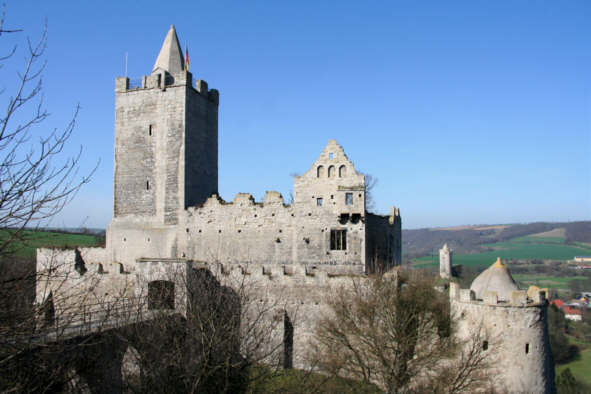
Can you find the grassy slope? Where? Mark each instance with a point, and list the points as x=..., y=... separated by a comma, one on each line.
x=581, y=367
x=38, y=239
x=294, y=381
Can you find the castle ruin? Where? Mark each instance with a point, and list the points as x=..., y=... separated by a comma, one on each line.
x=168, y=219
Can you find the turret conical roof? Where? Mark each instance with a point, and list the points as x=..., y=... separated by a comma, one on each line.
x=170, y=57
x=495, y=278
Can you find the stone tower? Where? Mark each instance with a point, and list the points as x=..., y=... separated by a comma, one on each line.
x=511, y=326
x=445, y=262
x=166, y=155
x=166, y=141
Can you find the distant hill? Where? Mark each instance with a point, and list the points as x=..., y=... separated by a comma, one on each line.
x=477, y=239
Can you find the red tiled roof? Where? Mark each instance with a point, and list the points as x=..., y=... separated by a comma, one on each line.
x=572, y=311
x=558, y=303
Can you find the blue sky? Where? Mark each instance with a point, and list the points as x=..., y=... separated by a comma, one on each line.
x=467, y=112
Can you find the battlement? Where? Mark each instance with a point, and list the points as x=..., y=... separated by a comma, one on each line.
x=81, y=260
x=519, y=298
x=287, y=273
x=164, y=80
x=394, y=216
x=272, y=198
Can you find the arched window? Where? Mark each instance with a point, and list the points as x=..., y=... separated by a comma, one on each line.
x=342, y=171
x=161, y=294
x=331, y=172
x=320, y=172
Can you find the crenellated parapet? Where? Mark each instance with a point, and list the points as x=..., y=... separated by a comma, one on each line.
x=164, y=80
x=271, y=199
x=518, y=298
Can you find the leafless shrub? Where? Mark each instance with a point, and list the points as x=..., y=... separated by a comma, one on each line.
x=396, y=331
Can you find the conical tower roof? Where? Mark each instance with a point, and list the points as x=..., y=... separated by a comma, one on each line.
x=495, y=278
x=170, y=57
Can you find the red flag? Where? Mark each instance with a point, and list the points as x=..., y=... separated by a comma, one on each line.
x=186, y=58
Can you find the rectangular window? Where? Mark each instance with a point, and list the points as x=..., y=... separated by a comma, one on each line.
x=338, y=239
x=319, y=202
x=150, y=127
x=349, y=198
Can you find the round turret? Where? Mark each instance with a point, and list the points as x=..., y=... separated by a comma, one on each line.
x=495, y=278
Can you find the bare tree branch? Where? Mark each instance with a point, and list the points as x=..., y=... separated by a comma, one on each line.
x=35, y=181
x=396, y=331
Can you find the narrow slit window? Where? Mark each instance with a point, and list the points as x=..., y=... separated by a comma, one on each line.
x=526, y=348
x=485, y=345
x=147, y=185
x=287, y=342
x=150, y=130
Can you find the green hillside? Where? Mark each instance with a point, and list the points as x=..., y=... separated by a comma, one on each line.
x=520, y=248
x=31, y=240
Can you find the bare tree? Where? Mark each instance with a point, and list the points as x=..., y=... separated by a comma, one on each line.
x=229, y=328
x=396, y=331
x=36, y=181
x=370, y=184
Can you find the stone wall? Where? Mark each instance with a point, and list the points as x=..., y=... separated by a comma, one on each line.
x=201, y=144
x=382, y=246
x=270, y=232
x=80, y=281
x=292, y=295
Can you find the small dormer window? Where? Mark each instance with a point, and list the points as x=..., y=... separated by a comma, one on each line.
x=349, y=198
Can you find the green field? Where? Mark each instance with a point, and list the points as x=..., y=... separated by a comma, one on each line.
x=525, y=248
x=540, y=280
x=38, y=239
x=581, y=367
